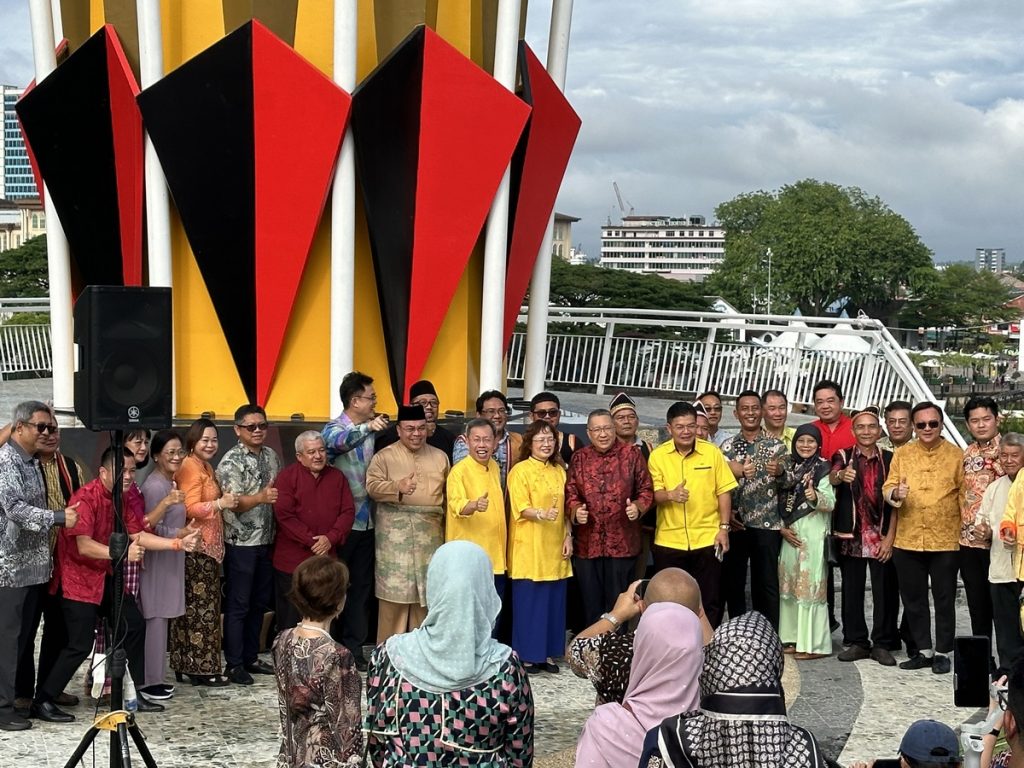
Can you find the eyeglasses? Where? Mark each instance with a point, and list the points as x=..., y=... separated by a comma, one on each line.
x=427, y=402
x=713, y=408
x=174, y=454
x=933, y=424
x=543, y=440
x=371, y=398
x=495, y=412
x=547, y=412
x=601, y=430
x=42, y=426
x=261, y=426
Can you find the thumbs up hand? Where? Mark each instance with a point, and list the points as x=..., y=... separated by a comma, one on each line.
x=809, y=493
x=901, y=490
x=680, y=494
x=71, y=515
x=269, y=494
x=582, y=514
x=632, y=510
x=848, y=475
x=748, y=468
x=174, y=496
x=407, y=484
x=482, y=503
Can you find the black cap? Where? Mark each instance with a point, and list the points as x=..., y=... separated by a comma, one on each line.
x=411, y=413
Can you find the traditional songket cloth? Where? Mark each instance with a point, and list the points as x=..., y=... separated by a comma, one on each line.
x=447, y=693
x=803, y=571
x=663, y=680
x=742, y=720
x=410, y=528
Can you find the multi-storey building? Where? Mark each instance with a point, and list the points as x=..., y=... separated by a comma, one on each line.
x=686, y=248
x=16, y=179
x=990, y=259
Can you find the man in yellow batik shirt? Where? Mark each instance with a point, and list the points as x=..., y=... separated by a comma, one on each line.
x=925, y=487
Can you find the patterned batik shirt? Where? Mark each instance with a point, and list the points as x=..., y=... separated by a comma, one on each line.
x=350, y=447
x=488, y=724
x=871, y=516
x=604, y=660
x=24, y=520
x=756, y=501
x=245, y=473
x=981, y=467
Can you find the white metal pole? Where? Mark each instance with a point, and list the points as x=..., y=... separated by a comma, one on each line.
x=158, y=212
x=343, y=212
x=492, y=315
x=58, y=21
x=540, y=284
x=58, y=256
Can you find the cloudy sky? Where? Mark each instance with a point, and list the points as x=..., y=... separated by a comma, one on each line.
x=688, y=104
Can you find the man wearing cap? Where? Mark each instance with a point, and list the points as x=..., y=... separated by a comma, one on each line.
x=870, y=526
x=927, y=743
x=703, y=421
x=423, y=394
x=493, y=406
x=623, y=411
x=607, y=489
x=407, y=480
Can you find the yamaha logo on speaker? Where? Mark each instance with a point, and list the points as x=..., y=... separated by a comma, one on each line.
x=134, y=413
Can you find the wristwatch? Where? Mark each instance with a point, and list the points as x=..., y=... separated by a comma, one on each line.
x=724, y=526
x=611, y=620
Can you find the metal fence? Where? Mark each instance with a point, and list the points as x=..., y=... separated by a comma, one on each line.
x=25, y=351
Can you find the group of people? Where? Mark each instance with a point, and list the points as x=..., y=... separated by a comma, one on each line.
x=557, y=524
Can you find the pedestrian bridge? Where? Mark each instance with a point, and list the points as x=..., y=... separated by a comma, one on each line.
x=661, y=353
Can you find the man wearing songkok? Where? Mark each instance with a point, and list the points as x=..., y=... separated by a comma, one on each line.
x=623, y=411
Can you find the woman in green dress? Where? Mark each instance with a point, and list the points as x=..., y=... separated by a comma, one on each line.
x=803, y=571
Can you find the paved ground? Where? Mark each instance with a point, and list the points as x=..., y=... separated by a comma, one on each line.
x=857, y=711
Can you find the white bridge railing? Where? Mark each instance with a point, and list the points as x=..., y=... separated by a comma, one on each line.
x=719, y=353
x=25, y=350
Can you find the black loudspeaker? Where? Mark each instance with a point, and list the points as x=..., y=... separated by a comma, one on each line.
x=123, y=372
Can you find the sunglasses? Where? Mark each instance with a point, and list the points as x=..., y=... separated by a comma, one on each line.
x=933, y=424
x=549, y=412
x=42, y=426
x=262, y=426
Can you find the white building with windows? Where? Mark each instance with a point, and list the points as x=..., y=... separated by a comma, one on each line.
x=687, y=248
x=17, y=181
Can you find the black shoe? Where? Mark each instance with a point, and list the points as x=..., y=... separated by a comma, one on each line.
x=361, y=663
x=854, y=653
x=12, y=721
x=66, y=700
x=547, y=666
x=51, y=713
x=533, y=669
x=158, y=692
x=883, y=656
x=940, y=664
x=238, y=676
x=918, y=662
x=259, y=667
x=833, y=625
x=145, y=705
x=211, y=681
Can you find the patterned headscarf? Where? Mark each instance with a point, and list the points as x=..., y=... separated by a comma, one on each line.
x=742, y=721
x=453, y=648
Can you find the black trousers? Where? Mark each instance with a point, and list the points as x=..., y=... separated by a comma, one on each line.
x=127, y=631
x=12, y=604
x=761, y=549
x=602, y=580
x=1006, y=613
x=39, y=605
x=916, y=571
x=358, y=554
x=249, y=581
x=285, y=614
x=705, y=569
x=735, y=568
x=885, y=597
x=974, y=572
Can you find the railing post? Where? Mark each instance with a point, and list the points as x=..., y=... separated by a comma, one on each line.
x=705, y=363
x=867, y=376
x=794, y=368
x=606, y=353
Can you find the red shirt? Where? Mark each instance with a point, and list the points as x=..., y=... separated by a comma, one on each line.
x=838, y=437
x=308, y=507
x=82, y=578
x=603, y=481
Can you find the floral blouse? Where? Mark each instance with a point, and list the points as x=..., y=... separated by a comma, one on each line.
x=488, y=725
x=319, y=693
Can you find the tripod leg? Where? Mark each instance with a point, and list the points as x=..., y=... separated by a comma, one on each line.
x=140, y=744
x=120, y=754
x=83, y=745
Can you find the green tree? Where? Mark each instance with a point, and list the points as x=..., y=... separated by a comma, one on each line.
x=585, y=285
x=23, y=270
x=828, y=243
x=958, y=296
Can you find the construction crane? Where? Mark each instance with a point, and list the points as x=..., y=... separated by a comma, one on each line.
x=618, y=196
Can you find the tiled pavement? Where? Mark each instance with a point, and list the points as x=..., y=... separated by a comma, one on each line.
x=857, y=711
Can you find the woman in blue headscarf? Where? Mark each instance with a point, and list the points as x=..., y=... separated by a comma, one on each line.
x=803, y=573
x=447, y=693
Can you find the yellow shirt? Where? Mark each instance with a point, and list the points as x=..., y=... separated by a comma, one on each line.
x=928, y=520
x=468, y=481
x=692, y=524
x=1014, y=513
x=535, y=546
x=428, y=464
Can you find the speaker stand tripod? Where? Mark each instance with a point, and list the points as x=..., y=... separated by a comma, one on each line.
x=118, y=722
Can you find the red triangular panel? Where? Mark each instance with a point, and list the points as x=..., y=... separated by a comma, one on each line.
x=300, y=117
x=126, y=121
x=550, y=137
x=469, y=127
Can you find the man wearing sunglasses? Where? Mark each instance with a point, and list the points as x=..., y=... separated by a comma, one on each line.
x=925, y=486
x=545, y=406
x=25, y=524
x=248, y=471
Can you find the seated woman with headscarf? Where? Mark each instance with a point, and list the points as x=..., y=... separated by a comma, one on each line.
x=447, y=693
x=741, y=722
x=663, y=680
